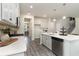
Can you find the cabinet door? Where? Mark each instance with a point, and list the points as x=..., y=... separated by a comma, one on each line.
x=5, y=11
x=49, y=42
x=46, y=43
x=44, y=40
x=17, y=8
x=14, y=13
x=0, y=11
x=18, y=13
x=10, y=6
x=9, y=12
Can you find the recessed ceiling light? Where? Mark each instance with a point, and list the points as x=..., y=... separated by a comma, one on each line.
x=31, y=6
x=54, y=19
x=64, y=17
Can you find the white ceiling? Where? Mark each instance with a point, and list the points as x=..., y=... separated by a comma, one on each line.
x=39, y=9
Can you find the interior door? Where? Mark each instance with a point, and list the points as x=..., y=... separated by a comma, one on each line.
x=37, y=31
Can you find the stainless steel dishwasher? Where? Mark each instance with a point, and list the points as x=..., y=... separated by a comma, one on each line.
x=57, y=46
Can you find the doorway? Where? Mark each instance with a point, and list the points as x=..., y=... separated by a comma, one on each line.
x=27, y=27
x=37, y=31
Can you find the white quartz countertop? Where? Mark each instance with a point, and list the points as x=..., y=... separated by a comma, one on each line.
x=16, y=47
x=68, y=37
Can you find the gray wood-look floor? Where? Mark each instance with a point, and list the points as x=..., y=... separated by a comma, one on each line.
x=35, y=49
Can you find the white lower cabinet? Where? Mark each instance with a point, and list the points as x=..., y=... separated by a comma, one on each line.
x=47, y=41
x=43, y=40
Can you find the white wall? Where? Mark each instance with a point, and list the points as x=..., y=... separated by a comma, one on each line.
x=76, y=30
x=51, y=26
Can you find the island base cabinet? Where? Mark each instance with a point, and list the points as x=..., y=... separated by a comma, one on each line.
x=74, y=48
x=46, y=40
x=61, y=45
x=71, y=48
x=66, y=48
x=49, y=42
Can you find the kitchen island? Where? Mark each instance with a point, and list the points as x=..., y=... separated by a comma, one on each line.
x=15, y=48
x=61, y=45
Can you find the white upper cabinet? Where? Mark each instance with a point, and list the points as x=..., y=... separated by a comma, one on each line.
x=12, y=14
x=17, y=10
x=10, y=11
x=5, y=11
x=47, y=41
x=0, y=11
